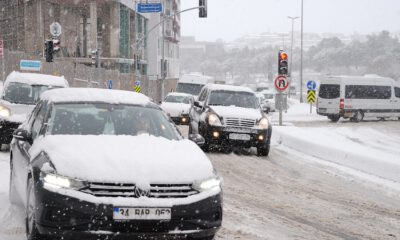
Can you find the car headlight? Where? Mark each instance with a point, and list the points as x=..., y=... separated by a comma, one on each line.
x=208, y=184
x=4, y=112
x=263, y=123
x=213, y=120
x=56, y=181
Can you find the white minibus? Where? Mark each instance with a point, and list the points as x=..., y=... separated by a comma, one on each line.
x=358, y=97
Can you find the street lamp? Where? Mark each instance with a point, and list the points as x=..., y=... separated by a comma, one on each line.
x=291, y=46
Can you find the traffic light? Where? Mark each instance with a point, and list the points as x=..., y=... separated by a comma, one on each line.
x=202, y=8
x=56, y=45
x=96, y=58
x=282, y=63
x=48, y=50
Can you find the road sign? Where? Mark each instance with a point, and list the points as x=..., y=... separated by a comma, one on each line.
x=149, y=7
x=110, y=84
x=281, y=83
x=138, y=86
x=29, y=65
x=311, y=85
x=1, y=47
x=55, y=29
x=311, y=96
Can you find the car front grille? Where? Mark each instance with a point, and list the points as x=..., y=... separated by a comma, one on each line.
x=240, y=122
x=130, y=190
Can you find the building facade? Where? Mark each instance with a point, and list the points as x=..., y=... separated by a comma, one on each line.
x=163, y=44
x=110, y=26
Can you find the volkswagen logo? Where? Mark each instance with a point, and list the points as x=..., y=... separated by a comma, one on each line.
x=141, y=193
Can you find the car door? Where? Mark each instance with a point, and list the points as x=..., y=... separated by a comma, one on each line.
x=396, y=102
x=21, y=156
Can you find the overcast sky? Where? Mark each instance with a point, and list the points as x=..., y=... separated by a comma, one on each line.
x=231, y=19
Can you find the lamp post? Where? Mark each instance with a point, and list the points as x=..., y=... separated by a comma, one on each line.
x=291, y=46
x=291, y=51
x=301, y=55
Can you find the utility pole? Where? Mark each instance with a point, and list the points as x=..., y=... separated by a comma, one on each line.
x=291, y=53
x=301, y=54
x=163, y=70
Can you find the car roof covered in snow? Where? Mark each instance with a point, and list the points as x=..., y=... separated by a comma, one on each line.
x=36, y=79
x=95, y=95
x=223, y=87
x=179, y=94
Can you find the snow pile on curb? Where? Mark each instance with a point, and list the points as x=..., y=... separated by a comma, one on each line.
x=328, y=145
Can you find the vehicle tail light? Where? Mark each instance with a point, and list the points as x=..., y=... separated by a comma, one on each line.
x=341, y=105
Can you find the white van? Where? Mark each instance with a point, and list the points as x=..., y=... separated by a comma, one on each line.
x=356, y=97
x=193, y=83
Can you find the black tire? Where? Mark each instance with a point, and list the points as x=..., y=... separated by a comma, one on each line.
x=358, y=116
x=263, y=151
x=334, y=118
x=13, y=197
x=205, y=147
x=30, y=222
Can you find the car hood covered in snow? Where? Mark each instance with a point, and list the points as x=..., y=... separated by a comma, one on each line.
x=125, y=159
x=175, y=109
x=237, y=112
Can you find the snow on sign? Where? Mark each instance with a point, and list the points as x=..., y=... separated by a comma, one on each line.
x=55, y=29
x=29, y=65
x=281, y=83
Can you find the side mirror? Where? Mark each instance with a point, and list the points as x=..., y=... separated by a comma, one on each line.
x=198, y=139
x=197, y=104
x=22, y=135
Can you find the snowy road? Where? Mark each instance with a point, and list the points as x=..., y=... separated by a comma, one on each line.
x=290, y=194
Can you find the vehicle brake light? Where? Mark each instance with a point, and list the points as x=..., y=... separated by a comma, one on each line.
x=341, y=106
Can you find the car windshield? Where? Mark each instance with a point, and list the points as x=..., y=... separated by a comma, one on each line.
x=269, y=95
x=22, y=93
x=233, y=98
x=177, y=99
x=109, y=119
x=189, y=88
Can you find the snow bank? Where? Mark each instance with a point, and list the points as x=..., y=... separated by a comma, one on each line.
x=339, y=147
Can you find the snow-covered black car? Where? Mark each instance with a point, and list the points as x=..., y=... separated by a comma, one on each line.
x=229, y=116
x=19, y=96
x=84, y=165
x=177, y=106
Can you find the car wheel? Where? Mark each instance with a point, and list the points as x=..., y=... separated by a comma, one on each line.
x=358, y=116
x=263, y=151
x=334, y=118
x=31, y=231
x=12, y=194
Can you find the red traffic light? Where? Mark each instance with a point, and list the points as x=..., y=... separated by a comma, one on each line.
x=283, y=56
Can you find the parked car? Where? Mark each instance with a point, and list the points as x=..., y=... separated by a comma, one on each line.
x=20, y=93
x=177, y=106
x=228, y=116
x=92, y=170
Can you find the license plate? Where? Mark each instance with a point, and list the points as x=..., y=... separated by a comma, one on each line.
x=322, y=110
x=236, y=136
x=142, y=213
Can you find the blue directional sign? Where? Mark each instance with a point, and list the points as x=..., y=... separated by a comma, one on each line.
x=29, y=65
x=311, y=85
x=149, y=7
x=110, y=84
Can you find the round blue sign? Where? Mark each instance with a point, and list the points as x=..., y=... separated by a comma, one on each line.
x=311, y=85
